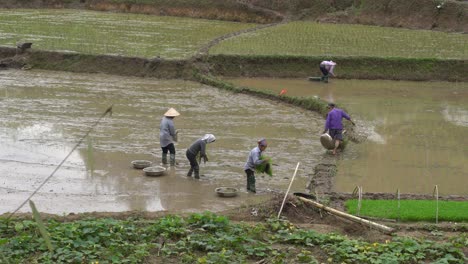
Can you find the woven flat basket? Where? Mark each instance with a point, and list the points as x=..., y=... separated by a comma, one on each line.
x=327, y=141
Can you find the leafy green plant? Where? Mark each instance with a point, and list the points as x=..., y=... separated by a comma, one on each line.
x=207, y=238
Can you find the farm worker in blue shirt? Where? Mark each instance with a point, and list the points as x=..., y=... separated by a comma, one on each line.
x=198, y=147
x=327, y=67
x=252, y=161
x=334, y=124
x=168, y=135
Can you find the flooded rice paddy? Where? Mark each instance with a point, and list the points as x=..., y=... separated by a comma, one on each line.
x=45, y=114
x=417, y=132
x=111, y=33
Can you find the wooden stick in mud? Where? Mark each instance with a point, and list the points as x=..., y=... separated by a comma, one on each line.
x=286, y=195
x=382, y=228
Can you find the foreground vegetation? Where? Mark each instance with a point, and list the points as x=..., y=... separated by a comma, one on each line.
x=411, y=210
x=207, y=238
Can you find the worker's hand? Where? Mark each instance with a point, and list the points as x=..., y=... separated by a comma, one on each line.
x=177, y=131
x=205, y=159
x=353, y=123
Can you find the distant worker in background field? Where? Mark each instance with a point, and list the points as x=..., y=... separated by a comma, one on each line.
x=327, y=67
x=198, y=148
x=168, y=135
x=334, y=124
x=254, y=160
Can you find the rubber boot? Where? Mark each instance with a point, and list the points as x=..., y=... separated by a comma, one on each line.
x=251, y=183
x=172, y=159
x=325, y=79
x=164, y=158
x=197, y=173
x=190, y=172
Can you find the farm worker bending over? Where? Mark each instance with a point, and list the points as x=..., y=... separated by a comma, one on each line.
x=327, y=67
x=334, y=124
x=253, y=161
x=198, y=148
x=168, y=135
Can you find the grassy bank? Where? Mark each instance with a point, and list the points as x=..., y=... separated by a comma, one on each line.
x=348, y=67
x=313, y=104
x=125, y=66
x=206, y=238
x=249, y=66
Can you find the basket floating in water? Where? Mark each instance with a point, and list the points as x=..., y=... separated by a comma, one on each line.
x=226, y=191
x=141, y=164
x=154, y=171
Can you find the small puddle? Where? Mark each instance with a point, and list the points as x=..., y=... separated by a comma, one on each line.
x=417, y=132
x=45, y=114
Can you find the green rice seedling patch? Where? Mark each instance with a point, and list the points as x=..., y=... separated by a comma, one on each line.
x=314, y=39
x=126, y=34
x=411, y=210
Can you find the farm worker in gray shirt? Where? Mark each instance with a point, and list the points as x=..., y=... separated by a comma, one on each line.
x=168, y=135
x=198, y=148
x=334, y=124
x=327, y=67
x=252, y=161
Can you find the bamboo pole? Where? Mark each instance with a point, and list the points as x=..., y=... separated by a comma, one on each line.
x=382, y=228
x=286, y=195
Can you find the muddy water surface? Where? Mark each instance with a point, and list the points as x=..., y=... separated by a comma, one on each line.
x=417, y=132
x=45, y=114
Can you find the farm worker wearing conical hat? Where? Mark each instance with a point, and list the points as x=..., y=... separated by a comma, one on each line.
x=168, y=135
x=253, y=161
x=171, y=113
x=198, y=148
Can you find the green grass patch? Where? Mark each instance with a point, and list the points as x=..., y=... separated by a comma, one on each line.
x=411, y=210
x=126, y=34
x=314, y=39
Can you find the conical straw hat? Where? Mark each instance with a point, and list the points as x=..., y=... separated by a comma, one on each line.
x=171, y=113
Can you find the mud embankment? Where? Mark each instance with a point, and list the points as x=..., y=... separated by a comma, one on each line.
x=350, y=67
x=235, y=66
x=115, y=65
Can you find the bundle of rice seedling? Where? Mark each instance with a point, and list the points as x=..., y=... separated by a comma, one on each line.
x=265, y=167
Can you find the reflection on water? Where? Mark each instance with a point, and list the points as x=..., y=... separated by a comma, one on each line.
x=44, y=115
x=417, y=132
